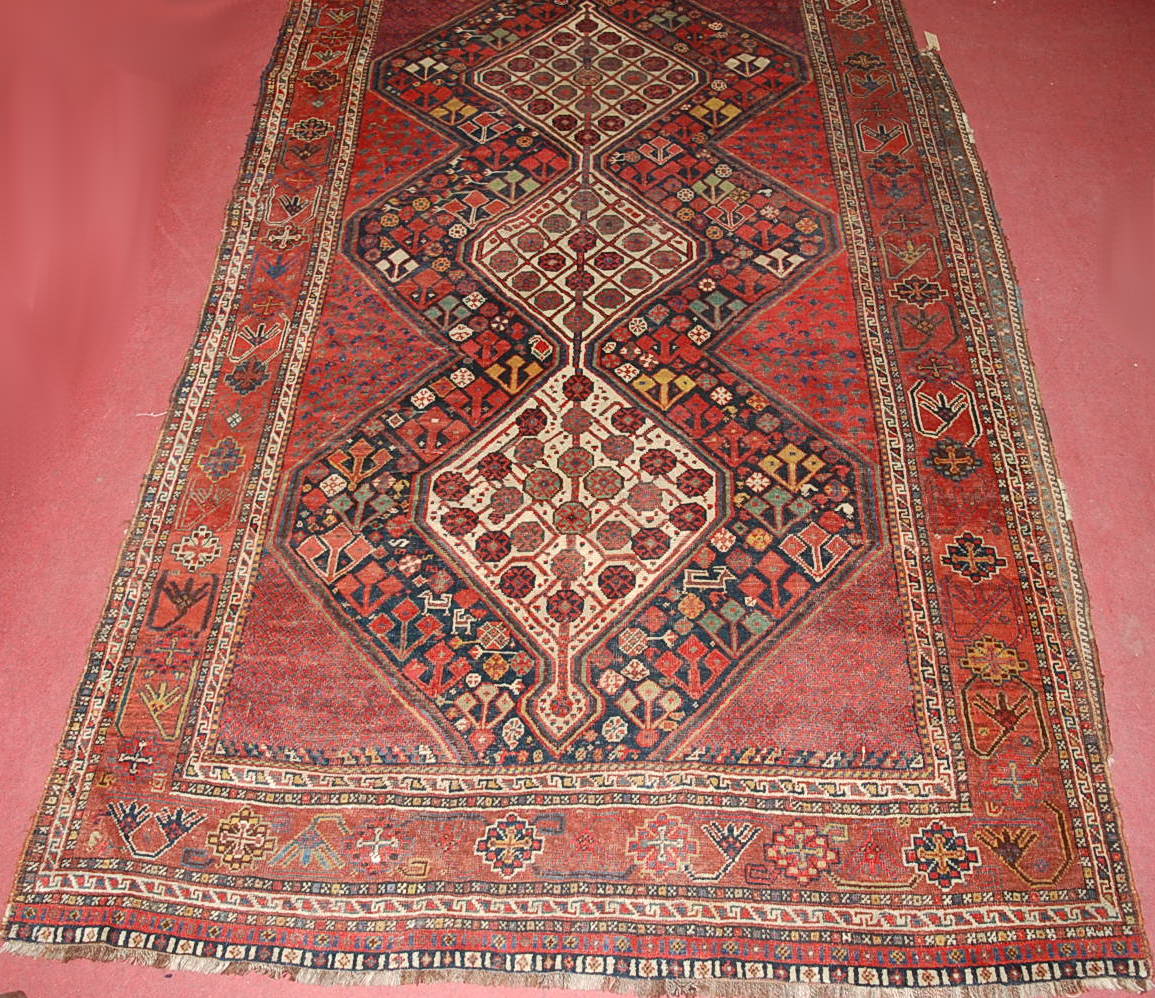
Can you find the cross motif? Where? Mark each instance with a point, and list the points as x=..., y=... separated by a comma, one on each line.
x=1017, y=783
x=942, y=856
x=954, y=460
x=376, y=843
x=166, y=651
x=136, y=758
x=668, y=849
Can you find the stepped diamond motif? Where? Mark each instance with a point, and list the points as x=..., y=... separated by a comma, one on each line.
x=588, y=81
x=568, y=510
x=582, y=254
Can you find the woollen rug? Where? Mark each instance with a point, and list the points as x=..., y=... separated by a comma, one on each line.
x=605, y=535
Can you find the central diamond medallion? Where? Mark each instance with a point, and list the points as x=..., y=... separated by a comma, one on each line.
x=567, y=512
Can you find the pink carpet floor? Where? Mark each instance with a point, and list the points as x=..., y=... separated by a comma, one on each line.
x=131, y=117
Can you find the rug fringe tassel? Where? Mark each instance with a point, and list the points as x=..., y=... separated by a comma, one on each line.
x=656, y=988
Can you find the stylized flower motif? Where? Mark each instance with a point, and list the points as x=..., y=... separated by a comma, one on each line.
x=310, y=129
x=241, y=839
x=919, y=291
x=504, y=502
x=509, y=845
x=527, y=536
x=583, y=241
x=518, y=582
x=322, y=79
x=575, y=462
x=197, y=549
x=645, y=497
x=493, y=545
x=650, y=543
x=248, y=376
x=941, y=854
x=662, y=845
x=577, y=421
x=604, y=483
x=993, y=660
x=543, y=483
x=565, y=605
x=459, y=520
x=973, y=558
x=579, y=280
x=757, y=482
x=613, y=535
x=568, y=564
x=571, y=518
x=890, y=165
x=688, y=516
x=801, y=852
x=953, y=460
x=222, y=460
x=658, y=461
x=494, y=466
x=529, y=450
x=617, y=581
x=628, y=420
x=864, y=62
x=695, y=482
x=531, y=421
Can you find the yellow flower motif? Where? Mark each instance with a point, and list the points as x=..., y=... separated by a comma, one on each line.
x=993, y=660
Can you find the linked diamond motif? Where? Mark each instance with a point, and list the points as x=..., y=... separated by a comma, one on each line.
x=573, y=536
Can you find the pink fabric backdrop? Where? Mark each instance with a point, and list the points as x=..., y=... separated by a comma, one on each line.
x=123, y=129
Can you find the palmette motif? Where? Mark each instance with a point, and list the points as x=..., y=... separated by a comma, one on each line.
x=605, y=528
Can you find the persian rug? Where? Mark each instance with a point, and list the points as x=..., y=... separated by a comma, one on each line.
x=605, y=535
